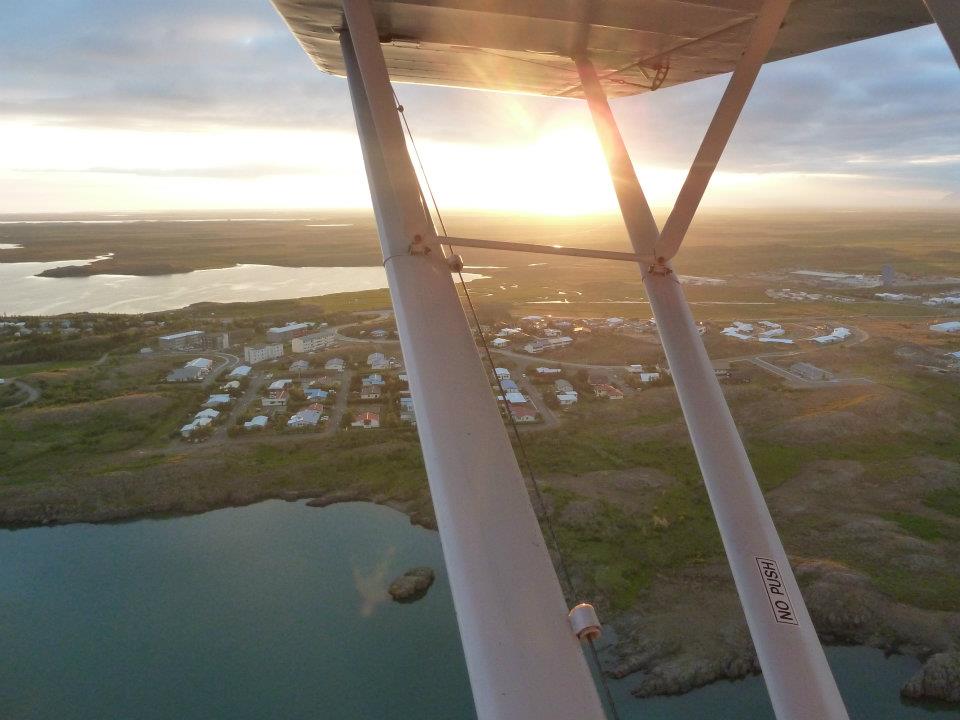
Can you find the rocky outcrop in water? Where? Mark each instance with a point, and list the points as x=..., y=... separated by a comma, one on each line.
x=938, y=679
x=412, y=585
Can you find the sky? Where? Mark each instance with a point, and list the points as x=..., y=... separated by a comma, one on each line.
x=141, y=106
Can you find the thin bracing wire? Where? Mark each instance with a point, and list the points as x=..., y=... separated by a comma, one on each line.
x=544, y=516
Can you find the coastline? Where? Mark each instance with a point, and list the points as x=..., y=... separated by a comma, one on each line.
x=653, y=645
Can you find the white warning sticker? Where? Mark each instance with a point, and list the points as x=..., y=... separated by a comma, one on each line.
x=776, y=592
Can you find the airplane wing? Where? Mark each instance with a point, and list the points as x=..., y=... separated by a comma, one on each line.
x=526, y=46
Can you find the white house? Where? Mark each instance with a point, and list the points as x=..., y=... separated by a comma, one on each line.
x=548, y=371
x=209, y=413
x=218, y=399
x=515, y=398
x=502, y=373
x=306, y=418
x=240, y=371
x=256, y=423
x=280, y=384
x=377, y=361
x=499, y=342
x=336, y=364
x=567, y=398
x=946, y=327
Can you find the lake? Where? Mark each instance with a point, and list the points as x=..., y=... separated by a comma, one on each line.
x=280, y=610
x=23, y=293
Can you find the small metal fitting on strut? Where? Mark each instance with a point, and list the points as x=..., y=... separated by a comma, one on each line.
x=585, y=623
x=455, y=262
x=660, y=268
x=418, y=247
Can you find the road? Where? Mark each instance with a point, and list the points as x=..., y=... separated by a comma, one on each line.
x=340, y=406
x=32, y=393
x=550, y=418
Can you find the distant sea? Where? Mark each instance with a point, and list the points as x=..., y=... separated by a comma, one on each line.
x=23, y=293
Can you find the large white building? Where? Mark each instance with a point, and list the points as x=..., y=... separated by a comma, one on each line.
x=311, y=342
x=252, y=354
x=541, y=344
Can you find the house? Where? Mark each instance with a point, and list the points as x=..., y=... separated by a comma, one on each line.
x=312, y=342
x=647, y=377
x=567, y=398
x=379, y=333
x=256, y=423
x=502, y=373
x=370, y=392
x=542, y=344
x=335, y=364
x=197, y=424
x=563, y=386
x=635, y=369
x=240, y=371
x=219, y=399
x=366, y=420
x=499, y=343
x=515, y=398
x=508, y=332
x=773, y=332
x=374, y=379
x=608, y=391
x=548, y=371
x=310, y=417
x=810, y=372
x=232, y=385
x=287, y=332
x=275, y=398
x=509, y=386
x=299, y=366
x=946, y=327
x=377, y=361
x=838, y=335
x=778, y=340
x=280, y=384
x=185, y=374
x=523, y=413
x=182, y=341
x=552, y=333
x=252, y=354
x=316, y=394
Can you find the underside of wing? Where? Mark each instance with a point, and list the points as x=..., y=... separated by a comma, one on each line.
x=526, y=46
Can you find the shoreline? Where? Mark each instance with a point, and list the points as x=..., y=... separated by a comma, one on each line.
x=657, y=663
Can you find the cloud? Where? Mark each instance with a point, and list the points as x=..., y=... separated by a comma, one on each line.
x=235, y=172
x=888, y=107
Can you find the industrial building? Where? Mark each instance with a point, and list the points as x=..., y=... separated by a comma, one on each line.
x=810, y=372
x=287, y=333
x=183, y=340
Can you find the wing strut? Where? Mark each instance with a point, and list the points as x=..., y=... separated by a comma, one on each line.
x=946, y=13
x=523, y=659
x=796, y=672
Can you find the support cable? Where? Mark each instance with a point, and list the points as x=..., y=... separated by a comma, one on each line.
x=544, y=516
